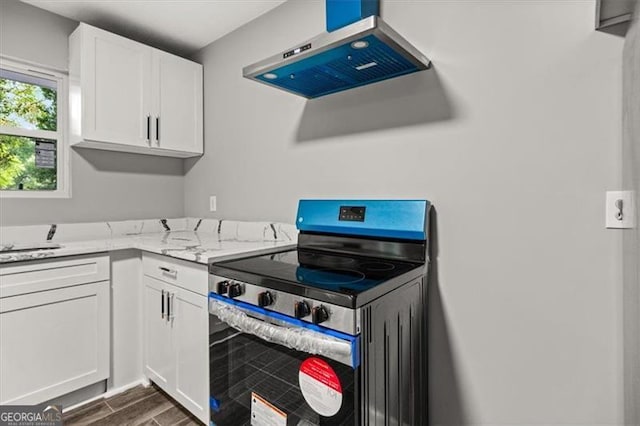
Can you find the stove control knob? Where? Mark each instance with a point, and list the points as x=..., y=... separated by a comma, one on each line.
x=223, y=287
x=235, y=290
x=265, y=299
x=301, y=309
x=319, y=314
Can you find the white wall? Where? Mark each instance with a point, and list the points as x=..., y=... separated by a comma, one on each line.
x=631, y=240
x=515, y=136
x=105, y=185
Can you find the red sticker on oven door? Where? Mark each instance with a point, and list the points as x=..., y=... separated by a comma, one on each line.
x=320, y=386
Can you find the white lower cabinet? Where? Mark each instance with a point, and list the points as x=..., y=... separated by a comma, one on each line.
x=176, y=332
x=54, y=327
x=191, y=340
x=158, y=348
x=55, y=318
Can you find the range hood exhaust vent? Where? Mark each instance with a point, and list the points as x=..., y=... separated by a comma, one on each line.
x=359, y=48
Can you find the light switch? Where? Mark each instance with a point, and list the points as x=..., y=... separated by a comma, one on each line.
x=213, y=203
x=620, y=209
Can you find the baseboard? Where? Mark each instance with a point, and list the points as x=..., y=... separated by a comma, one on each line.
x=112, y=392
x=77, y=396
x=109, y=393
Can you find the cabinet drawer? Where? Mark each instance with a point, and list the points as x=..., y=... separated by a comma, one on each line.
x=49, y=274
x=188, y=275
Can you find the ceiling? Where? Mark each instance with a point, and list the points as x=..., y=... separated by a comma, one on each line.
x=179, y=26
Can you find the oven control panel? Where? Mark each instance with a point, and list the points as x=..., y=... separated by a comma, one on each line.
x=398, y=219
x=352, y=214
x=312, y=311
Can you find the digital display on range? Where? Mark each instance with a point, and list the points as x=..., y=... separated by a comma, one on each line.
x=352, y=213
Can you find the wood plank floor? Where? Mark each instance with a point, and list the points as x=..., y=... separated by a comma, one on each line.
x=138, y=406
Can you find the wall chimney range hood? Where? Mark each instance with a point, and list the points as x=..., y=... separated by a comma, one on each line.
x=359, y=48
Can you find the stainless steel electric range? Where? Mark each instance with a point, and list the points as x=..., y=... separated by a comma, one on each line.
x=332, y=332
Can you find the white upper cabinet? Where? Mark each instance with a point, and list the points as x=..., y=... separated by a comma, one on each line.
x=177, y=105
x=126, y=96
x=116, y=88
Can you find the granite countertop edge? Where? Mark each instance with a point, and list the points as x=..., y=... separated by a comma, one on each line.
x=192, y=246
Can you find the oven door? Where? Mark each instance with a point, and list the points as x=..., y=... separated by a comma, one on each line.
x=270, y=369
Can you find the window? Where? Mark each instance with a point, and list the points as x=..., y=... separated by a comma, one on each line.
x=33, y=151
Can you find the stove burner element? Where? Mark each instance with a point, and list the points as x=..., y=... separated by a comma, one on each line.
x=377, y=266
x=327, y=261
x=329, y=276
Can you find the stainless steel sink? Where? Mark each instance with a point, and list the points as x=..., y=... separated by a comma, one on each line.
x=13, y=248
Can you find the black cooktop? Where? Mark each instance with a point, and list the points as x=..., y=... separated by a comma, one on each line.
x=333, y=278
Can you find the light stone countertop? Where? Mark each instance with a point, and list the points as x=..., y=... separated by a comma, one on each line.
x=201, y=246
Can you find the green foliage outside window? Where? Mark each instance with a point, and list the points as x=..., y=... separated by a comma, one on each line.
x=26, y=106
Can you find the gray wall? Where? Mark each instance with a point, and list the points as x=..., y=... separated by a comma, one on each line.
x=105, y=185
x=515, y=136
x=631, y=240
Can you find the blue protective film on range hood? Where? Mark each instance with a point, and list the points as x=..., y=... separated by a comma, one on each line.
x=340, y=68
x=364, y=52
x=341, y=13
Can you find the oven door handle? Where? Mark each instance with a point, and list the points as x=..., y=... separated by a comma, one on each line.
x=296, y=337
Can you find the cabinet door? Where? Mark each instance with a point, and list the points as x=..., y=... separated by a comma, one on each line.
x=53, y=342
x=191, y=340
x=116, y=98
x=158, y=351
x=178, y=97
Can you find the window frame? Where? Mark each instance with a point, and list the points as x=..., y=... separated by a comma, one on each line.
x=63, y=166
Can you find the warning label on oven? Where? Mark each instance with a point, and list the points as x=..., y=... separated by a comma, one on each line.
x=265, y=414
x=320, y=386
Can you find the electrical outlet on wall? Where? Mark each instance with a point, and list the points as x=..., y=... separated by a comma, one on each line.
x=213, y=203
x=620, y=209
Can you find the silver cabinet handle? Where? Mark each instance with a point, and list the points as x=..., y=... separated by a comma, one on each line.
x=158, y=131
x=162, y=297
